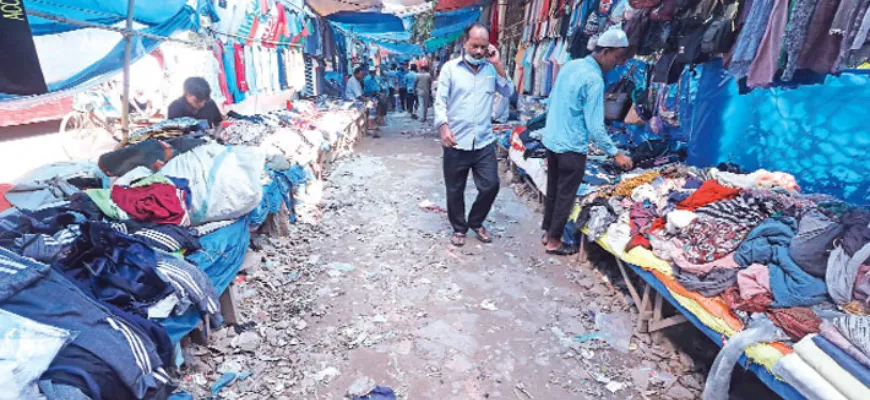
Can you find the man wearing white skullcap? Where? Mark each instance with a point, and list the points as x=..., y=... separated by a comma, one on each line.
x=574, y=117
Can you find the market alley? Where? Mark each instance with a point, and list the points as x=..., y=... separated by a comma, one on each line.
x=375, y=294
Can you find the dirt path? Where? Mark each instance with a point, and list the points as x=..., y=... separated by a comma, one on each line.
x=375, y=293
x=435, y=322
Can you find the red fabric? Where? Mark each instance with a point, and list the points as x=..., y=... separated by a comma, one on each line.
x=4, y=204
x=222, y=76
x=253, y=34
x=452, y=5
x=758, y=303
x=710, y=192
x=240, y=67
x=658, y=224
x=158, y=203
x=493, y=27
x=638, y=241
x=797, y=322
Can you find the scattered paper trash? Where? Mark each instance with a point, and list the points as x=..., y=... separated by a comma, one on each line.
x=430, y=206
x=488, y=304
x=615, y=386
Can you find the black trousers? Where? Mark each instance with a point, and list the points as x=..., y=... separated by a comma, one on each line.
x=410, y=102
x=484, y=167
x=564, y=175
x=403, y=98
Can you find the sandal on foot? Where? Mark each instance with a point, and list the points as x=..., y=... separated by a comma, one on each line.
x=458, y=239
x=545, y=239
x=563, y=251
x=483, y=235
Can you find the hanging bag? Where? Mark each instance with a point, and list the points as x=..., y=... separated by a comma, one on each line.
x=692, y=31
x=720, y=32
x=617, y=99
x=642, y=108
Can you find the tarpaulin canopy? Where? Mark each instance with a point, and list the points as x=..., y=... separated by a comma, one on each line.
x=451, y=22
x=436, y=43
x=367, y=22
x=87, y=48
x=329, y=7
x=103, y=12
x=408, y=49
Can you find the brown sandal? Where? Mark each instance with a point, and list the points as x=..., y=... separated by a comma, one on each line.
x=483, y=235
x=458, y=239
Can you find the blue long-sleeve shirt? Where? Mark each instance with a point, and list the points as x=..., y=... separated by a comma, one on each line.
x=576, y=110
x=464, y=102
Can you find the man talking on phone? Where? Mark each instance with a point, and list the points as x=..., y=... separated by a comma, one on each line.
x=463, y=108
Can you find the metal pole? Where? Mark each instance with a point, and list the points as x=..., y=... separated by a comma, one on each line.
x=128, y=50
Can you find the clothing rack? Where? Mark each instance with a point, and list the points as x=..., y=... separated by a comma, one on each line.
x=261, y=41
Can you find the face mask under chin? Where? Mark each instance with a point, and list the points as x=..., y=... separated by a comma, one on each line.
x=473, y=61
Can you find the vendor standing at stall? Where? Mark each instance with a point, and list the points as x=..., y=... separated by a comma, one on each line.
x=574, y=116
x=196, y=103
x=463, y=108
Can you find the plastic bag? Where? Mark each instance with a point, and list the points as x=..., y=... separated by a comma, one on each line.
x=224, y=180
x=615, y=329
x=759, y=330
x=27, y=348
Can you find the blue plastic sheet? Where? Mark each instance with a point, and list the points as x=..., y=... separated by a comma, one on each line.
x=399, y=48
x=818, y=133
x=366, y=22
x=221, y=257
x=103, y=12
x=456, y=21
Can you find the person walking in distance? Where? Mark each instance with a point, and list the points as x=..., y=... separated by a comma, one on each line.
x=423, y=88
x=463, y=108
x=576, y=116
x=403, y=88
x=410, y=83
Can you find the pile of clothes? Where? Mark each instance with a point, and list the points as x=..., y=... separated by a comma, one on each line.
x=105, y=267
x=740, y=248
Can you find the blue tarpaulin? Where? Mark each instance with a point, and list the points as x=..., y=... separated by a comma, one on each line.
x=455, y=21
x=102, y=12
x=366, y=22
x=221, y=257
x=818, y=133
x=114, y=60
x=399, y=48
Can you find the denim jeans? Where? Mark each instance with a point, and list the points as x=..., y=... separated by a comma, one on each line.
x=38, y=292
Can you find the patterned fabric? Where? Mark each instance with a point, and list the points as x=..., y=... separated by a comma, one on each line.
x=796, y=34
x=706, y=241
x=797, y=322
x=625, y=187
x=744, y=210
x=750, y=37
